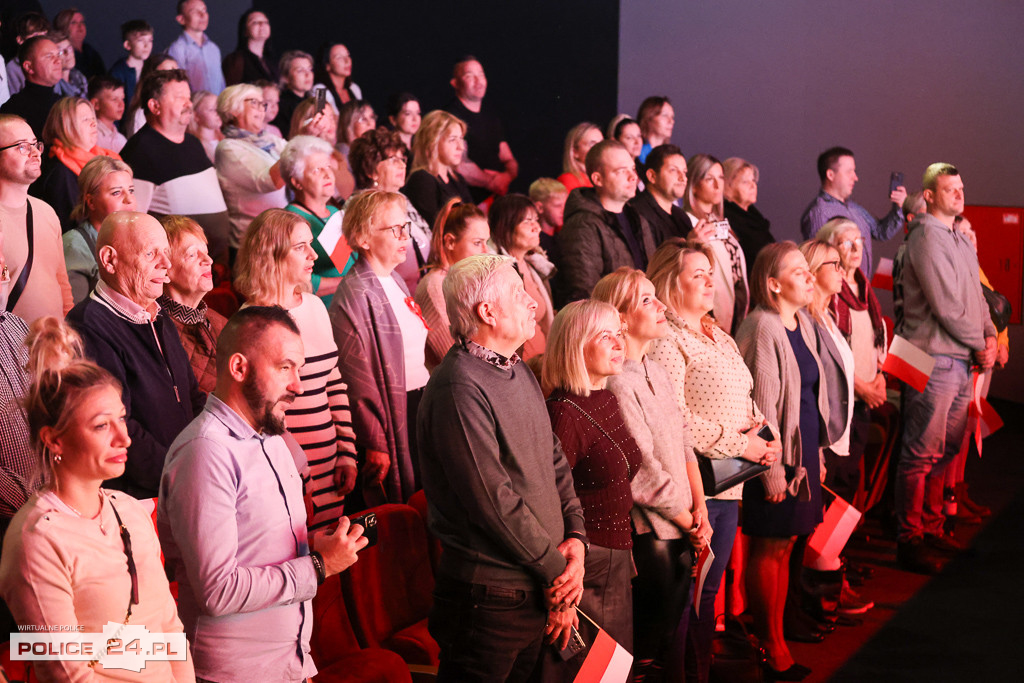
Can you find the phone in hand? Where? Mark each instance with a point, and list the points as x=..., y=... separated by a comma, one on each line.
x=765, y=432
x=575, y=646
x=721, y=230
x=321, y=99
x=369, y=523
x=895, y=180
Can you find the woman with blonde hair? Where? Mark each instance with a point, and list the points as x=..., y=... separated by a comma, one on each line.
x=105, y=185
x=713, y=389
x=704, y=204
x=381, y=336
x=437, y=149
x=779, y=344
x=78, y=556
x=586, y=347
x=274, y=267
x=460, y=230
x=752, y=229
x=248, y=158
x=669, y=515
x=71, y=134
x=578, y=142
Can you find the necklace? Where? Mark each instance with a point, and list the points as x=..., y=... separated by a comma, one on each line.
x=97, y=516
x=643, y=361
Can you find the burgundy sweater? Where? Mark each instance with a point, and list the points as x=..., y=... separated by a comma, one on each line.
x=601, y=468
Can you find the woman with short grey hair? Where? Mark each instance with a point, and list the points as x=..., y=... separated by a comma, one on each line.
x=247, y=158
x=306, y=170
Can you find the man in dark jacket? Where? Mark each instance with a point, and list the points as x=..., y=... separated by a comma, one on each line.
x=665, y=183
x=126, y=332
x=600, y=232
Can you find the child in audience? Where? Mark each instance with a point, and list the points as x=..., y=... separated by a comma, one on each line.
x=138, y=41
x=106, y=94
x=73, y=82
x=549, y=197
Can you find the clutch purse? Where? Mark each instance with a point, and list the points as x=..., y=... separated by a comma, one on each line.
x=721, y=474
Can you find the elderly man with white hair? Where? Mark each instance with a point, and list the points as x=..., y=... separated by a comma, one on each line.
x=499, y=488
x=127, y=332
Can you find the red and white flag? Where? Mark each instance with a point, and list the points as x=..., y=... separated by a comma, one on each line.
x=984, y=417
x=828, y=540
x=882, y=279
x=607, y=661
x=908, y=363
x=704, y=562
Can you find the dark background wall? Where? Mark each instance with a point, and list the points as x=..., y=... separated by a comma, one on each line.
x=903, y=83
x=549, y=65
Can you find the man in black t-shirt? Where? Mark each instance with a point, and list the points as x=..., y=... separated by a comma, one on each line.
x=488, y=166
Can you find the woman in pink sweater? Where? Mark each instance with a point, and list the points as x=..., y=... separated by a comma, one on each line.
x=77, y=555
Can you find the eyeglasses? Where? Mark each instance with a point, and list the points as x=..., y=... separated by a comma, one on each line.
x=256, y=104
x=64, y=52
x=400, y=232
x=837, y=264
x=848, y=244
x=53, y=56
x=398, y=159
x=26, y=147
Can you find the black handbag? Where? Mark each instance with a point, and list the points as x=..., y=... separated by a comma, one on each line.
x=998, y=307
x=721, y=474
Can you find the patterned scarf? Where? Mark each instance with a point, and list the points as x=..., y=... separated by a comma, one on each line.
x=266, y=140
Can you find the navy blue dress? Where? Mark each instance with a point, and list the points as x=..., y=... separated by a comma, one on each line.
x=792, y=517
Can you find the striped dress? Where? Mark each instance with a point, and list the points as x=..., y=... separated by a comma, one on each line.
x=320, y=419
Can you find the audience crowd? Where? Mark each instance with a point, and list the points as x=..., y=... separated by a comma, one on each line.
x=240, y=300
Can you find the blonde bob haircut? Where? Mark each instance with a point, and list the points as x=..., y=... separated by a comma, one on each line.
x=768, y=264
x=428, y=137
x=231, y=102
x=259, y=276
x=565, y=363
x=621, y=289
x=667, y=264
x=61, y=122
x=817, y=252
x=362, y=215
x=89, y=181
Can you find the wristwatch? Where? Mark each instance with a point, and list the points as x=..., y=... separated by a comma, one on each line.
x=581, y=537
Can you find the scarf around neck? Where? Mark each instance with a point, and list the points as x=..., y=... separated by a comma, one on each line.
x=75, y=158
x=846, y=301
x=265, y=140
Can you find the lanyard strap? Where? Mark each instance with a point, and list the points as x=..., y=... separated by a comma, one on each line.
x=19, y=286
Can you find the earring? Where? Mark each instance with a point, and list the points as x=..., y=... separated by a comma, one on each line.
x=777, y=290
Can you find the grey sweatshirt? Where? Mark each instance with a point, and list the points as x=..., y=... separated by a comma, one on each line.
x=937, y=292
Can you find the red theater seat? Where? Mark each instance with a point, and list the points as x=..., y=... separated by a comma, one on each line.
x=336, y=651
x=388, y=592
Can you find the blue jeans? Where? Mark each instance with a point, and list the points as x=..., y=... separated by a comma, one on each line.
x=724, y=516
x=933, y=430
x=486, y=633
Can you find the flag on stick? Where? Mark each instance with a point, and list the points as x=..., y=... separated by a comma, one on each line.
x=704, y=562
x=882, y=279
x=908, y=363
x=607, y=661
x=831, y=536
x=983, y=417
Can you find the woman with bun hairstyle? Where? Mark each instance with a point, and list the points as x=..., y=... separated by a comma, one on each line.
x=78, y=555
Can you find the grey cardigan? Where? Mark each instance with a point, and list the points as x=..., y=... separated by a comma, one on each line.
x=371, y=357
x=661, y=489
x=762, y=340
x=836, y=384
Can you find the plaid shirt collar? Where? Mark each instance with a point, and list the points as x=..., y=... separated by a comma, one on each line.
x=122, y=306
x=492, y=357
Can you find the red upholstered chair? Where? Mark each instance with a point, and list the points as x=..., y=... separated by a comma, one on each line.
x=418, y=500
x=388, y=592
x=336, y=651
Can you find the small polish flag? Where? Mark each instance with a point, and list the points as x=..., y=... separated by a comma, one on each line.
x=330, y=238
x=908, y=363
x=607, y=661
x=984, y=417
x=882, y=278
x=831, y=536
x=704, y=562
